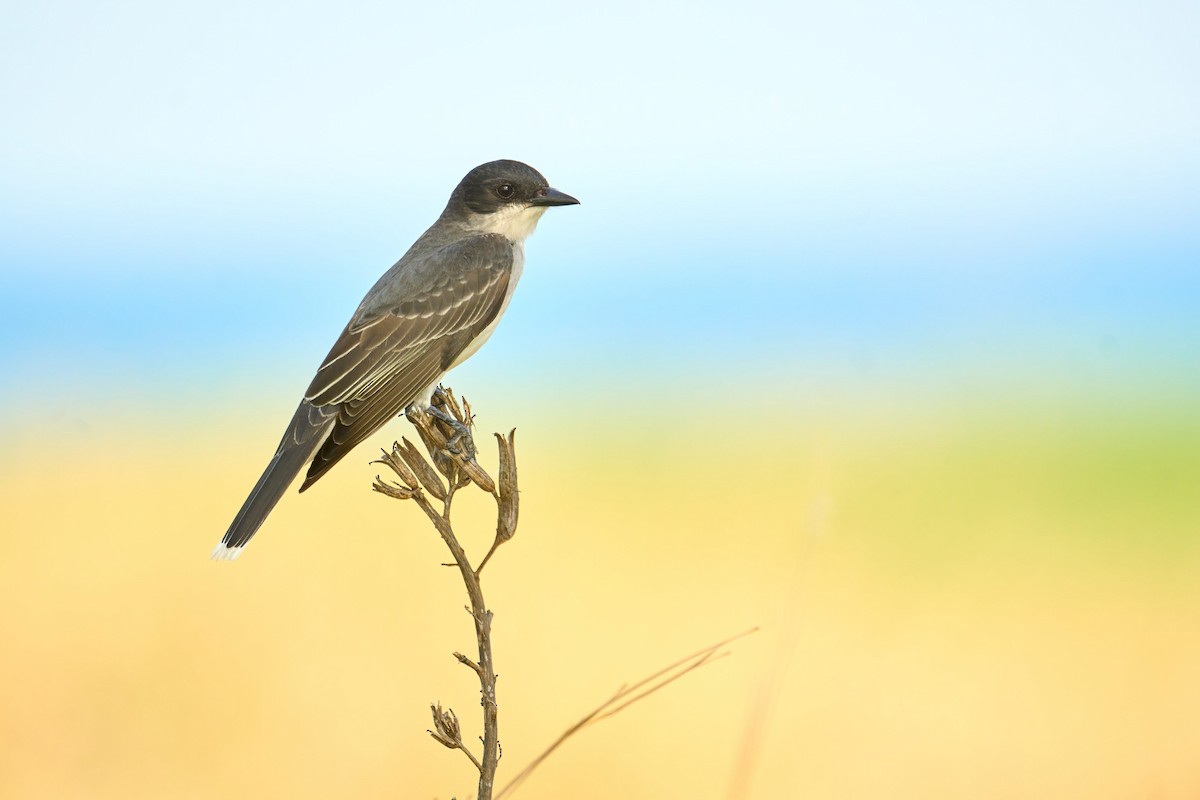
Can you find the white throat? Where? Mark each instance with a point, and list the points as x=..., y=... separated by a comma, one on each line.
x=514, y=223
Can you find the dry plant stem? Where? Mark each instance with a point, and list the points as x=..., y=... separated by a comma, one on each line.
x=485, y=669
x=457, y=463
x=488, y=557
x=471, y=756
x=447, y=438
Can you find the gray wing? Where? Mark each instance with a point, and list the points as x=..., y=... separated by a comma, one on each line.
x=409, y=330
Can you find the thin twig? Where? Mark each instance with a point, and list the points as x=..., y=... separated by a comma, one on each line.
x=495, y=545
x=471, y=756
x=466, y=662
x=622, y=700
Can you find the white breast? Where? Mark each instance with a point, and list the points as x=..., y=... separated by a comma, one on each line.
x=516, y=225
x=485, y=334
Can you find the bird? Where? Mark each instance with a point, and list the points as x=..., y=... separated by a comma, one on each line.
x=431, y=311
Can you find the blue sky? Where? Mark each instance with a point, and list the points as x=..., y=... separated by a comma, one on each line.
x=198, y=193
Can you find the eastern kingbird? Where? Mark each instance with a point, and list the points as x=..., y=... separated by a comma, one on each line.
x=428, y=313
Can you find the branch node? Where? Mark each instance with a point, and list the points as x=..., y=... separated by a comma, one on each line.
x=469, y=663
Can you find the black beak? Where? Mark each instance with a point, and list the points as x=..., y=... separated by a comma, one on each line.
x=553, y=197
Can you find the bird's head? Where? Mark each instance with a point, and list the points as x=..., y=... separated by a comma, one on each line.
x=504, y=197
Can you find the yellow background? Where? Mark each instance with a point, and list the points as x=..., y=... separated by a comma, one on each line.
x=990, y=600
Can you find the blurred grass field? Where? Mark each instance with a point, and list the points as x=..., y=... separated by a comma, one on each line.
x=998, y=601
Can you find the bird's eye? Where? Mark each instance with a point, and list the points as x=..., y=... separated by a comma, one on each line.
x=505, y=190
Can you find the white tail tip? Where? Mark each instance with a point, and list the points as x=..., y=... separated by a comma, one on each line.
x=223, y=553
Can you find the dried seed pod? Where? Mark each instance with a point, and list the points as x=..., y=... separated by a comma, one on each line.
x=468, y=415
x=470, y=467
x=393, y=489
x=397, y=465
x=425, y=473
x=435, y=442
x=445, y=727
x=507, y=506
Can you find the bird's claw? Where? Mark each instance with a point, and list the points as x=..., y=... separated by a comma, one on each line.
x=461, y=440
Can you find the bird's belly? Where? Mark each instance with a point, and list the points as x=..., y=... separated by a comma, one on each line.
x=486, y=333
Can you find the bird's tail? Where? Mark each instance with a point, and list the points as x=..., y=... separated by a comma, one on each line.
x=308, y=429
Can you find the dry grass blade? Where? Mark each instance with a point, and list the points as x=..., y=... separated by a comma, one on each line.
x=814, y=527
x=626, y=696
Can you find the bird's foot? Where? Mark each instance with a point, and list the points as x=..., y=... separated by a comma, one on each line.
x=460, y=440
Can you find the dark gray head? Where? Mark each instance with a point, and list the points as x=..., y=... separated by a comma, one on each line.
x=495, y=194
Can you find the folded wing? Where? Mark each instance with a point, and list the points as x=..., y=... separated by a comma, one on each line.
x=401, y=342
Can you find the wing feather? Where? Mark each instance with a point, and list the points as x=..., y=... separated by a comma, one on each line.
x=401, y=343
x=352, y=367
